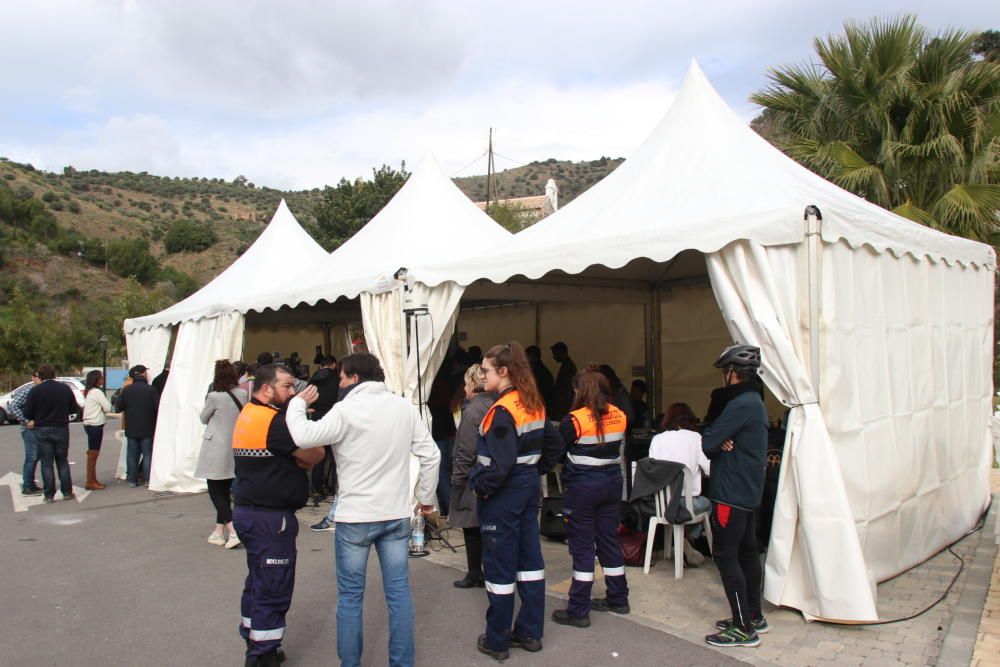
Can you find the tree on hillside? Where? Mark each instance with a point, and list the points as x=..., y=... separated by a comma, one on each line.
x=987, y=45
x=348, y=206
x=23, y=334
x=188, y=236
x=906, y=120
x=509, y=216
x=131, y=258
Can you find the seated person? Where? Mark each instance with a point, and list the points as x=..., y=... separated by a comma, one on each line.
x=681, y=443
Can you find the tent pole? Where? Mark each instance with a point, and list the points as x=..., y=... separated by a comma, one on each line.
x=814, y=221
x=656, y=370
x=403, y=336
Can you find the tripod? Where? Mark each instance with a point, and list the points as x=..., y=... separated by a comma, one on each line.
x=432, y=532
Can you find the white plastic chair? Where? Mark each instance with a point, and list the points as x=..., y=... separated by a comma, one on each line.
x=675, y=536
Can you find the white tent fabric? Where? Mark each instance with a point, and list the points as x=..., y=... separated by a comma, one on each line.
x=177, y=442
x=148, y=348
x=433, y=331
x=381, y=316
x=700, y=180
x=812, y=510
x=251, y=281
x=703, y=180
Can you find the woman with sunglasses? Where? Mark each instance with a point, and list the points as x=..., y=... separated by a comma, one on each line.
x=594, y=432
x=515, y=446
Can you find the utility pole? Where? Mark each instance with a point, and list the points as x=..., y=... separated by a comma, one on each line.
x=489, y=171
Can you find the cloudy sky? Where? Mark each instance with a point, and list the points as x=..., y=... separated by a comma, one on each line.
x=296, y=94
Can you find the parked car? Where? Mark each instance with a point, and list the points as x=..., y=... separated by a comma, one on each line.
x=74, y=383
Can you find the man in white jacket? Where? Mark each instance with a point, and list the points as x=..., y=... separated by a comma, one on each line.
x=373, y=432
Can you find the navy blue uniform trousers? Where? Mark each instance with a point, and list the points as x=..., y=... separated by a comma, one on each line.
x=268, y=537
x=512, y=558
x=591, y=510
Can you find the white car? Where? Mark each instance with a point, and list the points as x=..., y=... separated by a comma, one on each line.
x=74, y=383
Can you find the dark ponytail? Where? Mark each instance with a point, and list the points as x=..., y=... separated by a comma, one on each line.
x=511, y=356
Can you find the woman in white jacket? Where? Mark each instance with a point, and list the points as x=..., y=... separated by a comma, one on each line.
x=96, y=409
x=215, y=462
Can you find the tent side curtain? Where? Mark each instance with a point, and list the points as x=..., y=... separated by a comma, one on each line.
x=815, y=562
x=381, y=317
x=177, y=442
x=148, y=347
x=906, y=390
x=435, y=329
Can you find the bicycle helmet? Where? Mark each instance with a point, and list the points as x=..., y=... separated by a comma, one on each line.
x=746, y=356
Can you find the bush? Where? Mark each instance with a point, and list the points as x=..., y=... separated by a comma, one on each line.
x=188, y=236
x=131, y=257
x=74, y=207
x=49, y=197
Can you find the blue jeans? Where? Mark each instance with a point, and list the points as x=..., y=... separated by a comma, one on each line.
x=30, y=459
x=353, y=542
x=53, y=449
x=444, y=478
x=137, y=446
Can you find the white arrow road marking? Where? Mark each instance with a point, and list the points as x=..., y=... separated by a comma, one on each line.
x=22, y=503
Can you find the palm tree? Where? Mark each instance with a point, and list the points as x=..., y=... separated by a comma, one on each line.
x=905, y=120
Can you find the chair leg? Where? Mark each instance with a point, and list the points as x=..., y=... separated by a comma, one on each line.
x=678, y=532
x=708, y=532
x=650, y=535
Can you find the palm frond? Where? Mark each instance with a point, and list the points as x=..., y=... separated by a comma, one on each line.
x=969, y=209
x=912, y=212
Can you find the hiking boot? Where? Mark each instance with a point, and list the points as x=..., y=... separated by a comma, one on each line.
x=733, y=636
x=760, y=625
x=601, y=604
x=471, y=581
x=269, y=659
x=496, y=655
x=527, y=643
x=562, y=617
x=325, y=524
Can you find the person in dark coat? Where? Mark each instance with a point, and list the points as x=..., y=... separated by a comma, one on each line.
x=47, y=409
x=327, y=382
x=736, y=444
x=562, y=395
x=543, y=376
x=139, y=403
x=160, y=381
x=463, y=500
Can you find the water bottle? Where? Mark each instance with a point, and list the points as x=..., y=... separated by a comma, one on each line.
x=417, y=536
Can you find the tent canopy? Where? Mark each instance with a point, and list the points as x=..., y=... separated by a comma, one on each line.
x=701, y=180
x=240, y=287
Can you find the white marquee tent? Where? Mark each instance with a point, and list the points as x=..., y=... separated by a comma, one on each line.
x=875, y=330
x=211, y=327
x=424, y=220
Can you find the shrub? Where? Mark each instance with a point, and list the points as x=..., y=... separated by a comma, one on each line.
x=184, y=236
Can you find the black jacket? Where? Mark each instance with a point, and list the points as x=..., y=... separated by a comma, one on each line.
x=738, y=475
x=140, y=402
x=651, y=475
x=50, y=404
x=327, y=382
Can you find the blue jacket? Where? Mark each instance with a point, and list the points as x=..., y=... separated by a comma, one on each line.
x=738, y=476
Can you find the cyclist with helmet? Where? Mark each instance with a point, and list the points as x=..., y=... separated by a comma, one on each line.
x=736, y=444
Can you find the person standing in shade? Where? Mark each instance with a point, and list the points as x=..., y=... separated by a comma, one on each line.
x=562, y=393
x=327, y=383
x=96, y=410
x=736, y=444
x=216, y=464
x=515, y=446
x=463, y=511
x=160, y=381
x=272, y=483
x=47, y=408
x=543, y=377
x=594, y=433
x=16, y=409
x=373, y=432
x=139, y=404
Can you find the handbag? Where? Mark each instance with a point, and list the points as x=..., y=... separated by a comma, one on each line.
x=633, y=545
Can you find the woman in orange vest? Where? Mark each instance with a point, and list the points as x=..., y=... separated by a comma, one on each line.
x=515, y=446
x=594, y=432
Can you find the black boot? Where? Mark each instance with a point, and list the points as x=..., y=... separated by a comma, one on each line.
x=471, y=580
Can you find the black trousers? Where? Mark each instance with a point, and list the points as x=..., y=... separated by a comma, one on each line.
x=473, y=549
x=218, y=491
x=735, y=552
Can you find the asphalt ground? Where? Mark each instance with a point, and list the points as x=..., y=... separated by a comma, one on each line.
x=125, y=577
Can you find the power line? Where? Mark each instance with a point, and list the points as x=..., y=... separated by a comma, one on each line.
x=477, y=159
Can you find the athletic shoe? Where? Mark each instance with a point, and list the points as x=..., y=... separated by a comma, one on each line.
x=216, y=539
x=733, y=636
x=71, y=496
x=562, y=617
x=31, y=492
x=496, y=655
x=233, y=541
x=48, y=499
x=601, y=604
x=527, y=643
x=325, y=524
x=760, y=625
